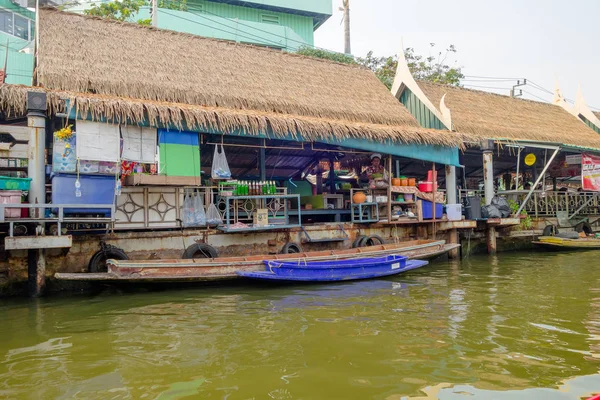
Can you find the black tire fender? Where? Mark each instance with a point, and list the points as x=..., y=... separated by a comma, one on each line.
x=373, y=240
x=291, y=248
x=199, y=250
x=98, y=260
x=550, y=230
x=359, y=241
x=584, y=227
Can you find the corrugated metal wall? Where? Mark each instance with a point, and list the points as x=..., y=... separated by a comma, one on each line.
x=423, y=115
x=301, y=25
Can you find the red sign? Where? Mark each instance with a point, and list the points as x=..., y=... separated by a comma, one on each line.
x=590, y=172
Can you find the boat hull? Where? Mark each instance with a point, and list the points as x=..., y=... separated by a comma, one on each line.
x=562, y=244
x=333, y=275
x=226, y=268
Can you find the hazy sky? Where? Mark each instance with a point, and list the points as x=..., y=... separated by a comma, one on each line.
x=540, y=40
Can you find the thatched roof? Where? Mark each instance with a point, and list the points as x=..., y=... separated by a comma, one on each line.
x=132, y=71
x=493, y=116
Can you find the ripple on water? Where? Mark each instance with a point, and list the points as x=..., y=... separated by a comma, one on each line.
x=490, y=327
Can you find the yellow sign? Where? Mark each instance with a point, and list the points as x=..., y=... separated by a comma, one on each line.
x=530, y=159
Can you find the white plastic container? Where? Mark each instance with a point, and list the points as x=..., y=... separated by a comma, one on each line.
x=11, y=197
x=454, y=212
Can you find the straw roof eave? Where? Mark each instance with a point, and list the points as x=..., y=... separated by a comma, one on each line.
x=487, y=115
x=222, y=120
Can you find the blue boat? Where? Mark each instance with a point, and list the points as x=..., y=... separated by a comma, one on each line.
x=334, y=270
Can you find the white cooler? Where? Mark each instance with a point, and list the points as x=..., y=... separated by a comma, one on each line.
x=454, y=212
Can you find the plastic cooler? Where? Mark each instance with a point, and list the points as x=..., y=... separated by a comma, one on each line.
x=95, y=189
x=428, y=210
x=11, y=197
x=454, y=212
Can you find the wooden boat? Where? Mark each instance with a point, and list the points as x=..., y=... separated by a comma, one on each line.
x=333, y=271
x=565, y=244
x=206, y=269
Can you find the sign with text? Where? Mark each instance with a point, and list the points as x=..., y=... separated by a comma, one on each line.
x=590, y=172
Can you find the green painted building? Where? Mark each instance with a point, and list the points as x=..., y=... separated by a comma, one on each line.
x=16, y=38
x=281, y=24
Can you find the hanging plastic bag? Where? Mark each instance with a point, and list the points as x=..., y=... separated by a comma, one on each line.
x=189, y=217
x=213, y=218
x=200, y=214
x=220, y=167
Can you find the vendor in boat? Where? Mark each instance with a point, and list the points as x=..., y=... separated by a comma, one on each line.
x=376, y=173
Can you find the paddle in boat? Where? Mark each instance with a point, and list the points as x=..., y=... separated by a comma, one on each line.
x=334, y=270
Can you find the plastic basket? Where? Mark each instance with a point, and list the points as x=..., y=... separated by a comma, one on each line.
x=10, y=183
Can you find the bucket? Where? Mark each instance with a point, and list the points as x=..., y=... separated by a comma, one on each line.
x=403, y=182
x=409, y=197
x=426, y=187
x=412, y=182
x=473, y=207
x=429, y=176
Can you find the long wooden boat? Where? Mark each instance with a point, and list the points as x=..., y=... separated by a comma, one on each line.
x=334, y=271
x=558, y=243
x=207, y=269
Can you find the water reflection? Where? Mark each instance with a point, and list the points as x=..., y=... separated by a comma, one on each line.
x=473, y=329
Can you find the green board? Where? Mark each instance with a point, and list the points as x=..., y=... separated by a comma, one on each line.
x=179, y=160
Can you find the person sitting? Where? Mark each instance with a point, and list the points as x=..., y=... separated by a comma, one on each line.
x=376, y=173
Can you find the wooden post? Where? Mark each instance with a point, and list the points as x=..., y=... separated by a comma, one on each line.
x=331, y=176
x=36, y=272
x=262, y=159
x=453, y=239
x=389, y=190
x=491, y=239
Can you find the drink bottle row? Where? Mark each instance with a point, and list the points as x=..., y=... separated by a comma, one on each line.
x=251, y=188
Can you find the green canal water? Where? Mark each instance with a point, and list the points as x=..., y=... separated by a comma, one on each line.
x=516, y=326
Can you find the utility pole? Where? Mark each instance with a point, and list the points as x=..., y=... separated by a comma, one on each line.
x=154, y=13
x=513, y=92
x=346, y=9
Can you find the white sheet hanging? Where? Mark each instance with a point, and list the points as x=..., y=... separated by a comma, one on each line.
x=97, y=141
x=139, y=144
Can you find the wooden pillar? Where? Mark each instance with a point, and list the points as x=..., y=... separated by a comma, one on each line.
x=262, y=159
x=491, y=239
x=36, y=272
x=331, y=176
x=453, y=239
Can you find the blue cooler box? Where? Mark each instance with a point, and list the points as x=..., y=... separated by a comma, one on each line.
x=428, y=210
x=95, y=189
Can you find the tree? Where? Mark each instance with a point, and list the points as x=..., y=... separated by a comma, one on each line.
x=326, y=55
x=123, y=10
x=431, y=68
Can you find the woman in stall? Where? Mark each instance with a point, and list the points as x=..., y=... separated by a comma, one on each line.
x=376, y=173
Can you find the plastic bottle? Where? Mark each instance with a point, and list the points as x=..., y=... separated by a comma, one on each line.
x=118, y=187
x=77, y=188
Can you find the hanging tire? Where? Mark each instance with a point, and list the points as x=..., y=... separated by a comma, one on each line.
x=550, y=230
x=373, y=240
x=584, y=227
x=291, y=248
x=359, y=242
x=98, y=260
x=199, y=250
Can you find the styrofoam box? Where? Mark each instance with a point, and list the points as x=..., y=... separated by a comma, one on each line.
x=454, y=212
x=11, y=197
